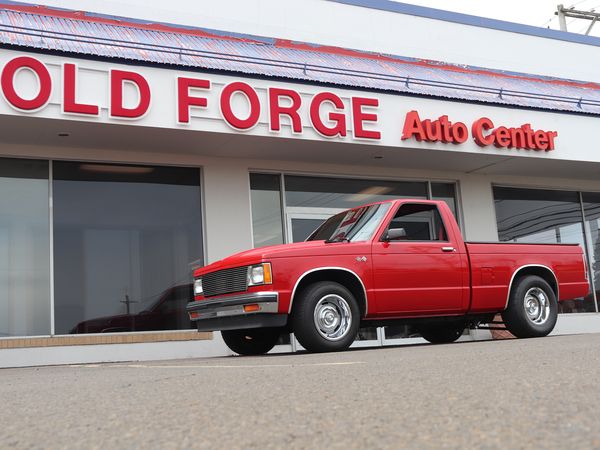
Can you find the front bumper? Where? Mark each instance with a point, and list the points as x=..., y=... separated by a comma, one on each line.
x=228, y=313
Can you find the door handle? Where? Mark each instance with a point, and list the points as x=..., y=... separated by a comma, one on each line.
x=448, y=249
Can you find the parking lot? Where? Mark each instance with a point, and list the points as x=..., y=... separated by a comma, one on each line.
x=503, y=394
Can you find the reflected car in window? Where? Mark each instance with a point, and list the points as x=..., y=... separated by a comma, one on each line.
x=167, y=313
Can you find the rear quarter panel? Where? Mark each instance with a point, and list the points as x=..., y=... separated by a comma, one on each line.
x=493, y=266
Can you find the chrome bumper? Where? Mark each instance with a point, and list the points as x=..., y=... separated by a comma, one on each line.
x=228, y=313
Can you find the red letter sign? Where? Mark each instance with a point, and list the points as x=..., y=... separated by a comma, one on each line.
x=413, y=127
x=70, y=104
x=339, y=118
x=117, y=78
x=251, y=96
x=184, y=100
x=358, y=117
x=276, y=110
x=479, y=126
x=7, y=81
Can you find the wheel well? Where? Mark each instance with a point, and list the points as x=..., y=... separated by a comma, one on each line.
x=542, y=272
x=346, y=279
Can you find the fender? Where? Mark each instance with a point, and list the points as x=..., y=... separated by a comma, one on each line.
x=524, y=267
x=329, y=268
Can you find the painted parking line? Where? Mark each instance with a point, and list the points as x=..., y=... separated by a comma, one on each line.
x=216, y=366
x=240, y=366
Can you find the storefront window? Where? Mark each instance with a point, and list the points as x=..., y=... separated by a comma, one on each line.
x=591, y=205
x=447, y=193
x=124, y=239
x=542, y=216
x=267, y=226
x=343, y=193
x=24, y=248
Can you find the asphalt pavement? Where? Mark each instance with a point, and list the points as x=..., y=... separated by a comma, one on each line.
x=536, y=393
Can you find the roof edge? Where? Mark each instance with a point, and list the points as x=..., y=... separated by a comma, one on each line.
x=64, y=13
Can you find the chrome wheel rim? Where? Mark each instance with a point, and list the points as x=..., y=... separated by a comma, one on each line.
x=332, y=317
x=537, y=306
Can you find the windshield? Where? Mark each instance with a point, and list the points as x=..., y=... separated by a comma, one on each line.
x=353, y=225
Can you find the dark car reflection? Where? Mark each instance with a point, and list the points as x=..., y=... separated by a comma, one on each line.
x=167, y=313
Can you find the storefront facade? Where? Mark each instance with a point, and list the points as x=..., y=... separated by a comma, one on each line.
x=121, y=176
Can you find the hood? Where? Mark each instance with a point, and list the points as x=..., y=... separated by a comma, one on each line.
x=297, y=249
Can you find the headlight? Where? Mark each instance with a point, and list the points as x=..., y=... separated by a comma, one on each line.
x=198, y=286
x=259, y=274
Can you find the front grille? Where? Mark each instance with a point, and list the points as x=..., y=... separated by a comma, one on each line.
x=225, y=281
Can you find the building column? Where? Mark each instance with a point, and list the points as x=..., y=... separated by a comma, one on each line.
x=478, y=208
x=228, y=217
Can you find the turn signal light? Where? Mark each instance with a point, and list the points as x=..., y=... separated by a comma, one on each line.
x=251, y=308
x=194, y=315
x=267, y=272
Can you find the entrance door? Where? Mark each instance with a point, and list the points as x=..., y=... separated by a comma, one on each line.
x=301, y=222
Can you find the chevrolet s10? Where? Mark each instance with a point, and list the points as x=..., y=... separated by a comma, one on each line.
x=388, y=263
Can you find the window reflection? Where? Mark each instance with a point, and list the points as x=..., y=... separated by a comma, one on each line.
x=267, y=226
x=542, y=216
x=24, y=248
x=447, y=193
x=591, y=205
x=322, y=192
x=124, y=237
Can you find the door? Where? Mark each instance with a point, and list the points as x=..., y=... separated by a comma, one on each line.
x=419, y=269
x=301, y=221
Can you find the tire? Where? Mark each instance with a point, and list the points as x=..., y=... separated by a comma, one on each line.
x=443, y=333
x=253, y=341
x=326, y=317
x=532, y=308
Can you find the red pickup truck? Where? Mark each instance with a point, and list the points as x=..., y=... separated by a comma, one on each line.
x=388, y=263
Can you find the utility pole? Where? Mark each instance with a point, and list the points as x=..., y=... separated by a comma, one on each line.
x=128, y=303
x=563, y=13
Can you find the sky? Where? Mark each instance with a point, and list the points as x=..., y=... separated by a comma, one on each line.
x=539, y=13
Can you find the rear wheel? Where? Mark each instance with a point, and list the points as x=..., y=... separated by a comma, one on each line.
x=253, y=341
x=442, y=333
x=532, y=308
x=326, y=317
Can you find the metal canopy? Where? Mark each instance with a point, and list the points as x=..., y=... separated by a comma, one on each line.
x=54, y=30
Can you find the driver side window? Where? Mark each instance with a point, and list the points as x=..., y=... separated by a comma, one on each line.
x=420, y=222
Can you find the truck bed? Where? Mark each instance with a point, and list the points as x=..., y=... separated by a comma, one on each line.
x=494, y=265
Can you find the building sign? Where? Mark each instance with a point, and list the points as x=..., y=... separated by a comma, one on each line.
x=325, y=112
x=483, y=131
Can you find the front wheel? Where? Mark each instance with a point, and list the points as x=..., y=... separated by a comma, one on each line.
x=326, y=317
x=253, y=341
x=532, y=308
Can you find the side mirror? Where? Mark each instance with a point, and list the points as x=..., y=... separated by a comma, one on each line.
x=394, y=234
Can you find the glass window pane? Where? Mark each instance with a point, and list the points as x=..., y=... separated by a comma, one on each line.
x=345, y=193
x=445, y=192
x=591, y=205
x=124, y=239
x=419, y=222
x=267, y=226
x=303, y=228
x=542, y=216
x=24, y=248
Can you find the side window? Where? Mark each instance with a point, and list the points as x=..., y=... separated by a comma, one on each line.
x=420, y=223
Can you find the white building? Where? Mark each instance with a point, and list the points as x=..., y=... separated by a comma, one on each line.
x=138, y=142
